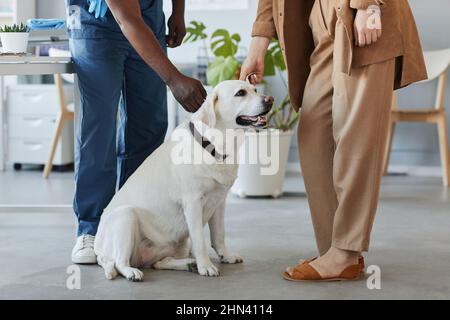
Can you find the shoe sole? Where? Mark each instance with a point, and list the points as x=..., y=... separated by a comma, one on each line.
x=84, y=260
x=360, y=277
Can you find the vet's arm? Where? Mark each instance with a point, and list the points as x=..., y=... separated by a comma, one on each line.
x=188, y=92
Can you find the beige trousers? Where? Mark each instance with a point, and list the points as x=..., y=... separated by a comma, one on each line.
x=342, y=134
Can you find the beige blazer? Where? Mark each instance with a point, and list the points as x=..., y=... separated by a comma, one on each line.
x=288, y=20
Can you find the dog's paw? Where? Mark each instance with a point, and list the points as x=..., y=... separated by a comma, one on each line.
x=208, y=270
x=132, y=274
x=231, y=259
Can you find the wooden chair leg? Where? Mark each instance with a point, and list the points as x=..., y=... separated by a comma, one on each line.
x=387, y=152
x=444, y=148
x=58, y=132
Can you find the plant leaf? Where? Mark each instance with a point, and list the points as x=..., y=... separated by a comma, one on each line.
x=223, y=44
x=269, y=65
x=194, y=32
x=277, y=55
x=222, y=69
x=15, y=28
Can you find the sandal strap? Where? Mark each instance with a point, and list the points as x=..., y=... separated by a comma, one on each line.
x=304, y=271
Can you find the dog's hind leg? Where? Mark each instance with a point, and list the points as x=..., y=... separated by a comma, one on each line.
x=124, y=223
x=108, y=265
x=171, y=263
x=180, y=261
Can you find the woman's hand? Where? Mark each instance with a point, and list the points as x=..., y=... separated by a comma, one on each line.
x=367, y=26
x=254, y=64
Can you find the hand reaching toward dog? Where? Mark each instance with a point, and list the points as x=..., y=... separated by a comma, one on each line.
x=367, y=26
x=189, y=92
x=254, y=64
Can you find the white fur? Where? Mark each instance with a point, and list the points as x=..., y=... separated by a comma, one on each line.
x=163, y=207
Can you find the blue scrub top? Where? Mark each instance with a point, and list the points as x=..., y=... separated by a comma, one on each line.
x=83, y=25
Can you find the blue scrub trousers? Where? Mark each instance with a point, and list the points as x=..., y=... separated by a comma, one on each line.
x=123, y=119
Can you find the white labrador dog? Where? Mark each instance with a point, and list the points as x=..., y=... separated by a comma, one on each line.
x=156, y=219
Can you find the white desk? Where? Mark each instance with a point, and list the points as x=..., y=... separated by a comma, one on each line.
x=28, y=65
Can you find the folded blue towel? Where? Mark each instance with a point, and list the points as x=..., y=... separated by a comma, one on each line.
x=46, y=24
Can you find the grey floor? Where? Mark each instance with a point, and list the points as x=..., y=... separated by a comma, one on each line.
x=411, y=245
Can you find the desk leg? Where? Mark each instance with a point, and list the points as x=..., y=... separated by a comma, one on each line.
x=2, y=124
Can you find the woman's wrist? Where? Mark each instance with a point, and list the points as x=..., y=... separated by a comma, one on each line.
x=259, y=46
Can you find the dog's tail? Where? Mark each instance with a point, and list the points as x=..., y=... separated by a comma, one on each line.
x=108, y=266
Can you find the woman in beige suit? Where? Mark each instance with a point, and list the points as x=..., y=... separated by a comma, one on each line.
x=344, y=58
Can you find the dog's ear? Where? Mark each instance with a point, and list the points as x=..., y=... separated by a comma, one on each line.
x=207, y=112
x=252, y=79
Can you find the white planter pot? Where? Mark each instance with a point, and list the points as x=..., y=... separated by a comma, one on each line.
x=263, y=176
x=14, y=42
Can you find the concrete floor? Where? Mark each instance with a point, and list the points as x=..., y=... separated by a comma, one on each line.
x=411, y=245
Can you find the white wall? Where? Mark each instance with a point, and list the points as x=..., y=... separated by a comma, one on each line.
x=413, y=143
x=51, y=8
x=239, y=21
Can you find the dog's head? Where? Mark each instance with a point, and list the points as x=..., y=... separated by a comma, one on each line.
x=234, y=105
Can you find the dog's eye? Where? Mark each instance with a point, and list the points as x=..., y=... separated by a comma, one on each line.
x=240, y=93
x=256, y=90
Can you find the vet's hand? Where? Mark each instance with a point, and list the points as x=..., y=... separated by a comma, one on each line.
x=367, y=26
x=177, y=30
x=254, y=64
x=189, y=92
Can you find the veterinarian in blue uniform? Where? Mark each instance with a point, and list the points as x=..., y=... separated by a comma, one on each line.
x=123, y=116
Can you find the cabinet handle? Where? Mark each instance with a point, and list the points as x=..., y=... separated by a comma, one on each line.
x=33, y=122
x=30, y=94
x=33, y=97
x=33, y=145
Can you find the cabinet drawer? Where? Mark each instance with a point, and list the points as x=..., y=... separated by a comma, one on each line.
x=31, y=126
x=29, y=151
x=35, y=99
x=36, y=151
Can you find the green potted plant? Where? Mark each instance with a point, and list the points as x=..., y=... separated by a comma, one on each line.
x=224, y=65
x=14, y=38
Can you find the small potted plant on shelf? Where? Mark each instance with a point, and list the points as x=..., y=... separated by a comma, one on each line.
x=14, y=38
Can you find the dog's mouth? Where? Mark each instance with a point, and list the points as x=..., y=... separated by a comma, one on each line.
x=259, y=121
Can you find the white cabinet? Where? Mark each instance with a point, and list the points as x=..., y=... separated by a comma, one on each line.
x=32, y=111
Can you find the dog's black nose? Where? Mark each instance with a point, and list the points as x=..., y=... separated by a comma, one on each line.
x=268, y=101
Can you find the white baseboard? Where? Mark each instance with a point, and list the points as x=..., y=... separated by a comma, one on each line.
x=418, y=171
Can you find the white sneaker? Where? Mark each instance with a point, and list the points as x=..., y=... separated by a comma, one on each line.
x=83, y=251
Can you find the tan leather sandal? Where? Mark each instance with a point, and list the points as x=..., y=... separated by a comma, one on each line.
x=304, y=272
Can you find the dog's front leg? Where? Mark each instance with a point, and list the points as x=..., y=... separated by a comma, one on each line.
x=217, y=232
x=194, y=219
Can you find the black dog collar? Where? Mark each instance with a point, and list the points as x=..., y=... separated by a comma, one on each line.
x=206, y=144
